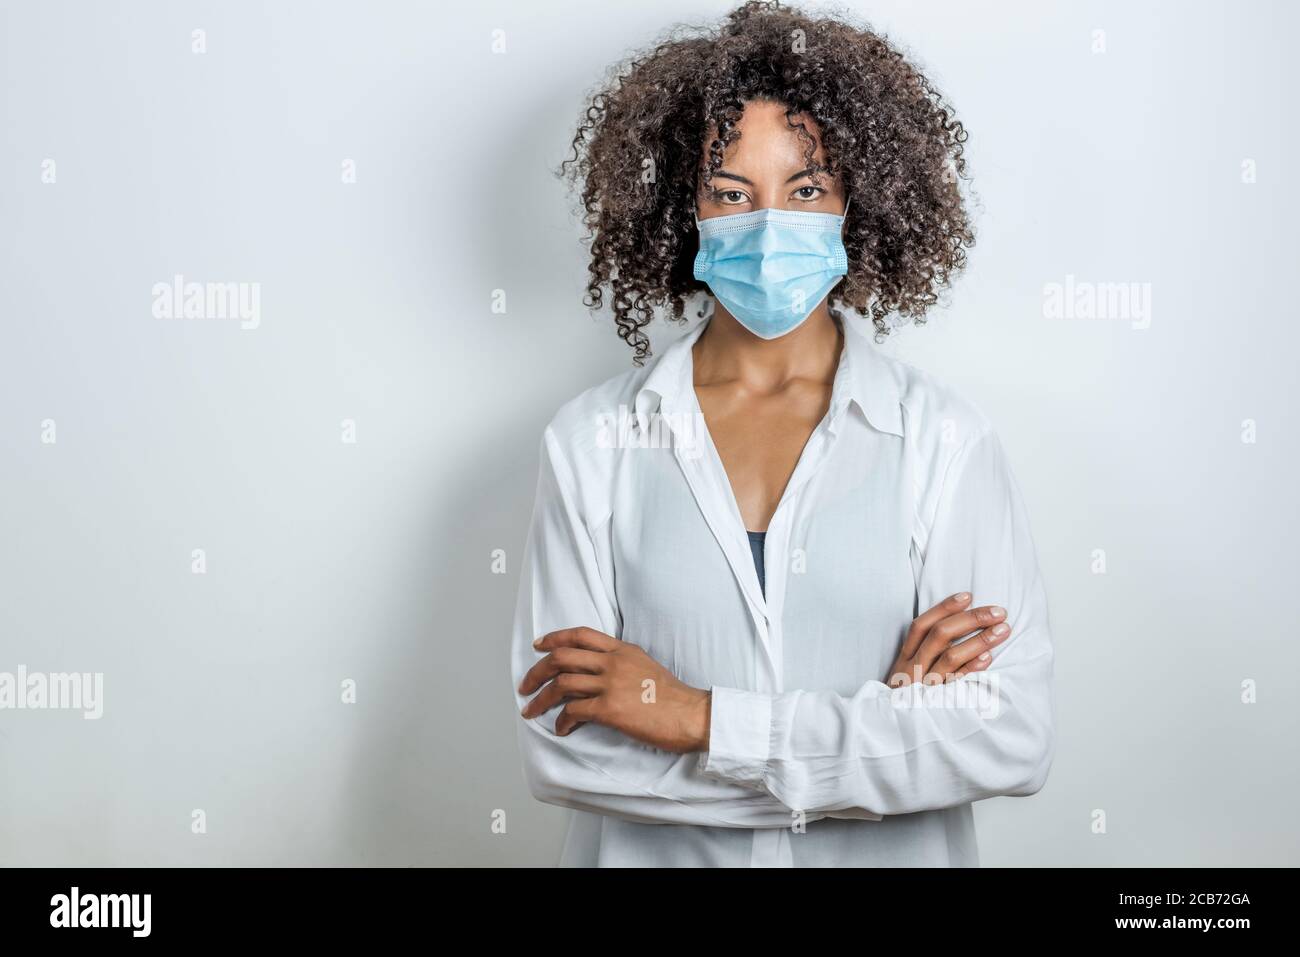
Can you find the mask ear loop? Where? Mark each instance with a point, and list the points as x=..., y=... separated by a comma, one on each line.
x=707, y=307
x=839, y=320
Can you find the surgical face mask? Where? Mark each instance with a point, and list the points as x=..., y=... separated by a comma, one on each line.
x=771, y=267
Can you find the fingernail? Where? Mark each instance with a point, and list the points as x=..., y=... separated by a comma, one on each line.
x=999, y=630
x=985, y=656
x=997, y=612
x=537, y=642
x=961, y=596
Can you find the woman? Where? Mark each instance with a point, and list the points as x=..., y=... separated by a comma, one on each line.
x=780, y=603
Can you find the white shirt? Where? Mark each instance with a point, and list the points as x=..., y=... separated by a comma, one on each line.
x=902, y=497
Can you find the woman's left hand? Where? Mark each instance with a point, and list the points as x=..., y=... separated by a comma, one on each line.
x=618, y=685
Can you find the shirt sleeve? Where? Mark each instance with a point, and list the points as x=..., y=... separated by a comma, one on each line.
x=596, y=768
x=919, y=747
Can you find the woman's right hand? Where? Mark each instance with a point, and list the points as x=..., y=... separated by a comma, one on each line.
x=929, y=654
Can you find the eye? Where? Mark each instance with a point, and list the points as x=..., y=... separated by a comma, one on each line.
x=729, y=197
x=809, y=193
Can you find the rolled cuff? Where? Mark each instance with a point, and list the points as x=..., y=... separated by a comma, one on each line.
x=740, y=736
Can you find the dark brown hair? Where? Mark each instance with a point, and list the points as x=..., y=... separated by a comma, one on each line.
x=884, y=127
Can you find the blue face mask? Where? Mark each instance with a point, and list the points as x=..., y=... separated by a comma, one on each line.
x=770, y=268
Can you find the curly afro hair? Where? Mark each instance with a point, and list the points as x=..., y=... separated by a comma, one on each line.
x=884, y=128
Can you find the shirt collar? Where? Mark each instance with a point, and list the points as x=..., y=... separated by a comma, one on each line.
x=669, y=386
x=871, y=381
x=864, y=378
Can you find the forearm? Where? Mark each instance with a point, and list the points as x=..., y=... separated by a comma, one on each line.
x=601, y=770
x=889, y=751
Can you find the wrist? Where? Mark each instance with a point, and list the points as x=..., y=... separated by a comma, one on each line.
x=703, y=710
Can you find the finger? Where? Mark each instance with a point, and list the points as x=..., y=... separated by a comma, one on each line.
x=560, y=689
x=574, y=715
x=957, y=626
x=560, y=660
x=566, y=725
x=982, y=661
x=921, y=626
x=964, y=652
x=906, y=676
x=587, y=638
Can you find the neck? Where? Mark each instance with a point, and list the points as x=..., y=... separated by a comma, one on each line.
x=728, y=352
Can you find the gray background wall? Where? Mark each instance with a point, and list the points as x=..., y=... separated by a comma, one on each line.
x=372, y=560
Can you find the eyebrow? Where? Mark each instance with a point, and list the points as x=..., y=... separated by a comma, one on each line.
x=741, y=179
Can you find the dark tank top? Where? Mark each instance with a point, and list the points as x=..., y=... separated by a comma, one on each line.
x=756, y=547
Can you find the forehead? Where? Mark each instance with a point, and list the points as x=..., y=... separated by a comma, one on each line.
x=768, y=141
